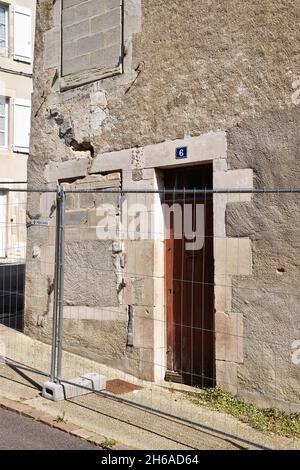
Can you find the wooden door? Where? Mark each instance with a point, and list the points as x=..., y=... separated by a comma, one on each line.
x=190, y=286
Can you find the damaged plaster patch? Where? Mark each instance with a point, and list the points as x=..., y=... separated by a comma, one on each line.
x=98, y=98
x=98, y=112
x=82, y=147
x=119, y=262
x=79, y=131
x=97, y=118
x=242, y=90
x=66, y=132
x=137, y=158
x=36, y=252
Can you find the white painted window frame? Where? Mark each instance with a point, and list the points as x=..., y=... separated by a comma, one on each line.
x=6, y=108
x=6, y=9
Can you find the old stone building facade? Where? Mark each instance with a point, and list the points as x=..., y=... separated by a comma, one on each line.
x=119, y=86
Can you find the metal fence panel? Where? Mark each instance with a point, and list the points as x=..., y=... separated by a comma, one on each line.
x=164, y=292
x=21, y=320
x=165, y=299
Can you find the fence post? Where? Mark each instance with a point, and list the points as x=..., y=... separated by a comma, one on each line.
x=55, y=288
x=61, y=251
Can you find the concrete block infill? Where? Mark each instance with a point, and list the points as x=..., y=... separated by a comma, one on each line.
x=80, y=386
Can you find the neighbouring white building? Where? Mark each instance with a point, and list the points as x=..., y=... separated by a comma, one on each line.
x=17, y=19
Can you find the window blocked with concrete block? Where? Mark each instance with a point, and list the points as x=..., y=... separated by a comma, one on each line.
x=92, y=32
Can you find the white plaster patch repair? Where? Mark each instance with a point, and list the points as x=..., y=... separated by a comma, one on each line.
x=97, y=117
x=296, y=94
x=98, y=112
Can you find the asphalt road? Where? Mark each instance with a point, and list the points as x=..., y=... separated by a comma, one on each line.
x=21, y=433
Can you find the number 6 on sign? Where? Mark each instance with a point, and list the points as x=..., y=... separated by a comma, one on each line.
x=181, y=152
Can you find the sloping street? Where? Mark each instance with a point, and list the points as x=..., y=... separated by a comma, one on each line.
x=20, y=433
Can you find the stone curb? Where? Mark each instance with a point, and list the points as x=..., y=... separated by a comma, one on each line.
x=69, y=428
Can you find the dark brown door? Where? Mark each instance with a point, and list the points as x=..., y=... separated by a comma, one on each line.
x=190, y=279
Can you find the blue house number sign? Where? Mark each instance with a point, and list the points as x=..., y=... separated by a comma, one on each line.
x=181, y=152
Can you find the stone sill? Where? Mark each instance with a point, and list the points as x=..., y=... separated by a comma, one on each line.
x=84, y=78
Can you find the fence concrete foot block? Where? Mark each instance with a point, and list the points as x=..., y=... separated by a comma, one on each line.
x=53, y=391
x=80, y=386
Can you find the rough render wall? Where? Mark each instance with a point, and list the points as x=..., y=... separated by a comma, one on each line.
x=269, y=298
x=194, y=67
x=228, y=53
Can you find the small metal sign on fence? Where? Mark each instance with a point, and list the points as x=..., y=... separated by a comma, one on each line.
x=43, y=223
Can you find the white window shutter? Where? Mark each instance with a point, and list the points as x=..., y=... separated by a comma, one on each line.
x=3, y=226
x=22, y=115
x=22, y=34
